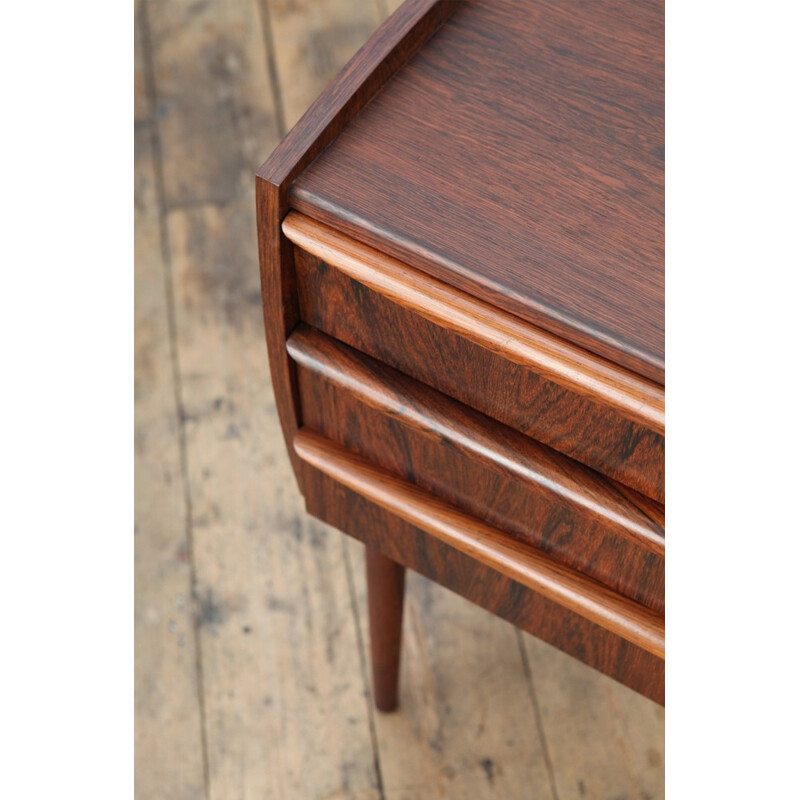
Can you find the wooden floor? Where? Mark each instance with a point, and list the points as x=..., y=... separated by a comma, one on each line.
x=251, y=677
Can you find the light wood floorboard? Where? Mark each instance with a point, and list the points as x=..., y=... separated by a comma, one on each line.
x=168, y=732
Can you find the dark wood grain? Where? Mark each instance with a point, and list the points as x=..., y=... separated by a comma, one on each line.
x=385, y=589
x=519, y=155
x=571, y=367
x=481, y=376
x=494, y=473
x=402, y=542
x=486, y=545
x=369, y=69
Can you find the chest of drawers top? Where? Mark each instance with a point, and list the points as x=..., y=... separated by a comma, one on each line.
x=518, y=155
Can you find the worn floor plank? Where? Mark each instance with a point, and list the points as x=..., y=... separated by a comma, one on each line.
x=314, y=39
x=286, y=716
x=604, y=740
x=168, y=741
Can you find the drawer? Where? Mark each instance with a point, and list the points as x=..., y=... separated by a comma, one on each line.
x=408, y=542
x=574, y=402
x=521, y=488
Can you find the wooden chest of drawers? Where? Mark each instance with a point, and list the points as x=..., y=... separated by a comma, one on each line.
x=462, y=261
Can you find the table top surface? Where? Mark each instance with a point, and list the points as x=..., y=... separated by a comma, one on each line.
x=519, y=155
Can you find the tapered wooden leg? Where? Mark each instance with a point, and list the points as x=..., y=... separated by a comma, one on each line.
x=385, y=589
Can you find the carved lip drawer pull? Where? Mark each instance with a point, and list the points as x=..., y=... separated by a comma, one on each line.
x=530, y=567
x=637, y=398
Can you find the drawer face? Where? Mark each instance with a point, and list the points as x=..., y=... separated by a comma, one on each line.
x=480, y=466
x=402, y=542
x=588, y=431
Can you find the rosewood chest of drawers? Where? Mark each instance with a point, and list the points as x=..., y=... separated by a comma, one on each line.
x=462, y=261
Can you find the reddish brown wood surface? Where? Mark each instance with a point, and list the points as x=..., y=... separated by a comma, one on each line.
x=486, y=545
x=519, y=155
x=571, y=367
x=480, y=376
x=385, y=589
x=369, y=69
x=403, y=542
x=492, y=472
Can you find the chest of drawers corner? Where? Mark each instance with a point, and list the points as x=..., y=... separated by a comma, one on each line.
x=462, y=265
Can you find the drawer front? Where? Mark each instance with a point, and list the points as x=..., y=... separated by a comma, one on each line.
x=492, y=472
x=488, y=379
x=406, y=544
